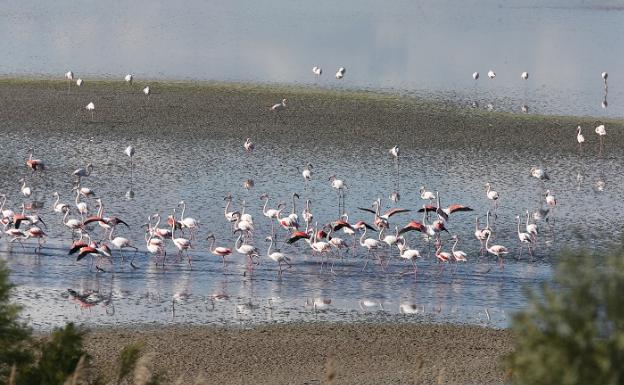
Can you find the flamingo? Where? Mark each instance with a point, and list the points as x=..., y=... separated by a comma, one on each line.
x=72, y=224
x=58, y=207
x=279, y=106
x=306, y=173
x=34, y=164
x=6, y=213
x=307, y=214
x=129, y=151
x=459, y=256
x=426, y=195
x=90, y=107
x=444, y=213
x=160, y=232
x=189, y=223
x=524, y=238
x=248, y=184
x=82, y=207
x=524, y=75
x=245, y=249
x=182, y=244
x=69, y=75
x=475, y=75
x=491, y=74
x=318, y=245
x=491, y=194
x=129, y=78
x=389, y=239
x=531, y=228
x=83, y=172
x=482, y=234
x=26, y=191
x=230, y=216
x=381, y=220
x=317, y=71
x=394, y=151
x=371, y=244
x=604, y=77
x=408, y=254
x=442, y=256
x=156, y=247
x=147, y=91
x=338, y=184
x=249, y=145
x=340, y=73
x=601, y=131
x=79, y=82
x=579, y=137
x=550, y=199
x=497, y=250
x=271, y=213
x=121, y=243
x=85, y=192
x=218, y=251
x=36, y=232
x=539, y=173
x=277, y=257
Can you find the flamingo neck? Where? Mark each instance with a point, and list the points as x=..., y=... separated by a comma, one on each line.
x=212, y=242
x=363, y=235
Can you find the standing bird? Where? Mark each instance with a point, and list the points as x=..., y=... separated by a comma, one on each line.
x=475, y=75
x=459, y=255
x=34, y=164
x=317, y=71
x=69, y=75
x=394, y=151
x=128, y=78
x=525, y=238
x=491, y=194
x=550, y=199
x=579, y=137
x=524, y=75
x=491, y=74
x=341, y=72
x=531, y=228
x=249, y=145
x=601, y=131
x=218, y=251
x=604, y=76
x=130, y=152
x=79, y=82
x=276, y=256
x=497, y=250
x=426, y=195
x=26, y=191
x=147, y=91
x=90, y=107
x=83, y=172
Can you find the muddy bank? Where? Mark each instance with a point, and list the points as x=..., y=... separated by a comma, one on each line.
x=301, y=353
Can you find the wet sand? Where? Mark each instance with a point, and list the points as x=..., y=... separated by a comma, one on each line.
x=321, y=117
x=302, y=353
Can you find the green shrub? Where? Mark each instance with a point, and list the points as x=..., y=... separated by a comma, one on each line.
x=572, y=331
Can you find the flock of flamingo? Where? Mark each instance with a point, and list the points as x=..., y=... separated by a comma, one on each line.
x=175, y=230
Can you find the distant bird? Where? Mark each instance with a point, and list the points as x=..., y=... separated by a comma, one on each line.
x=475, y=75
x=83, y=172
x=491, y=74
x=34, y=164
x=394, y=151
x=341, y=72
x=91, y=107
x=491, y=194
x=426, y=195
x=79, y=82
x=279, y=106
x=147, y=91
x=317, y=71
x=249, y=145
x=248, y=184
x=604, y=103
x=604, y=76
x=26, y=191
x=601, y=131
x=130, y=152
x=525, y=108
x=539, y=173
x=129, y=79
x=579, y=137
x=550, y=199
x=524, y=75
x=70, y=77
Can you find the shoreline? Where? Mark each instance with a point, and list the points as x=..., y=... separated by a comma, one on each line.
x=301, y=353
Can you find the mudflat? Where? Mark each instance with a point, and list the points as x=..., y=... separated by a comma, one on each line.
x=308, y=353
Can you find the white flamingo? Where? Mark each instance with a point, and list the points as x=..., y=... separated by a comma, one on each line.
x=525, y=238
x=277, y=257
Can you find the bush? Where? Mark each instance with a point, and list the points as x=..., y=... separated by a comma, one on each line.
x=572, y=331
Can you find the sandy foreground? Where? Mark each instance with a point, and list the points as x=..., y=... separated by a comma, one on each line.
x=306, y=353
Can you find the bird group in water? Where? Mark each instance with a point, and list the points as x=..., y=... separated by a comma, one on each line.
x=332, y=240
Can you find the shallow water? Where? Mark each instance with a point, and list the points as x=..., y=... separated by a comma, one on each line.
x=409, y=47
x=202, y=166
